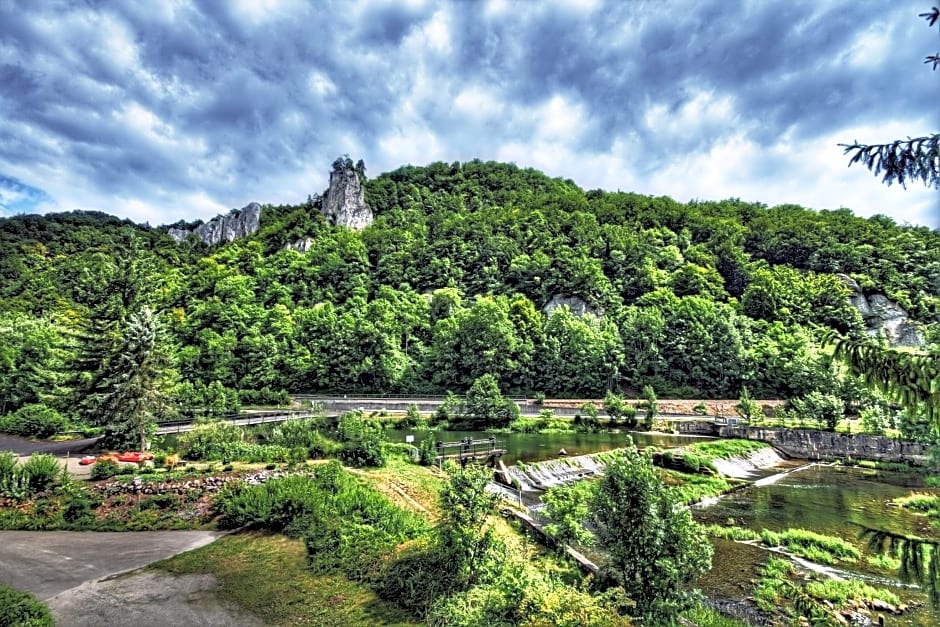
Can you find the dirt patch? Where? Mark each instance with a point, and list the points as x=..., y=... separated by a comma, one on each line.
x=147, y=598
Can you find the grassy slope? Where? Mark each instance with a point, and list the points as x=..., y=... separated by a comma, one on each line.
x=266, y=575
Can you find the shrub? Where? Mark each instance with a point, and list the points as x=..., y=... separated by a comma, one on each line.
x=19, y=608
x=35, y=420
x=205, y=440
x=77, y=509
x=293, y=433
x=362, y=440
x=43, y=472
x=104, y=470
x=13, y=484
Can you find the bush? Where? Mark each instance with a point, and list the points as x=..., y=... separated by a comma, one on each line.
x=34, y=421
x=362, y=440
x=42, y=472
x=293, y=433
x=13, y=485
x=205, y=441
x=104, y=470
x=22, y=609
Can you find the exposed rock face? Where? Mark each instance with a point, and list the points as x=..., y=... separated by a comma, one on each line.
x=226, y=228
x=577, y=306
x=345, y=203
x=882, y=315
x=301, y=245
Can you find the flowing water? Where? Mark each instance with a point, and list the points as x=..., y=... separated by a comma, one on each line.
x=831, y=500
x=536, y=447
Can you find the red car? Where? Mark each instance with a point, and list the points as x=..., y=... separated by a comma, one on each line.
x=135, y=456
x=87, y=460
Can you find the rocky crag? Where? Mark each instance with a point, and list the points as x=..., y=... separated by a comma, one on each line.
x=883, y=316
x=344, y=203
x=227, y=228
x=577, y=306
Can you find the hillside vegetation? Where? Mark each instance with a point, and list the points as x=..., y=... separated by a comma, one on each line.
x=696, y=300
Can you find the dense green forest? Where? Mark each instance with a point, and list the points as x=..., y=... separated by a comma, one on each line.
x=450, y=282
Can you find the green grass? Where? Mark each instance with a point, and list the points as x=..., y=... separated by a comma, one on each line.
x=842, y=591
x=267, y=575
x=919, y=502
x=694, y=488
x=812, y=546
x=774, y=584
x=732, y=532
x=884, y=562
x=726, y=449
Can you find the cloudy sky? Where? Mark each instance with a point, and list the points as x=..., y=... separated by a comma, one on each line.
x=160, y=110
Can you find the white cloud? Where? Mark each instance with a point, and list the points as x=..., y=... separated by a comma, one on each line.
x=190, y=109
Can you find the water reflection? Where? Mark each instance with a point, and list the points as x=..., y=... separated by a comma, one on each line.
x=831, y=500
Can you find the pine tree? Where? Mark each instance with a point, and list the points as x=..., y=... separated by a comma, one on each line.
x=134, y=387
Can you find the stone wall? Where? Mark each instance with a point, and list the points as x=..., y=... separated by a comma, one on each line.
x=829, y=446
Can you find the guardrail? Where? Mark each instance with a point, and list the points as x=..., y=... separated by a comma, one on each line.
x=391, y=397
x=242, y=420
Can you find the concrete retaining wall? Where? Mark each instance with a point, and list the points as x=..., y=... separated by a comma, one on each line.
x=829, y=446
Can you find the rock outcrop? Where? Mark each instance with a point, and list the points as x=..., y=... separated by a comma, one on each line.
x=228, y=228
x=301, y=245
x=884, y=316
x=344, y=202
x=577, y=306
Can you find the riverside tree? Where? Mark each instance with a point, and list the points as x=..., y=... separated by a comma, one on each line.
x=655, y=548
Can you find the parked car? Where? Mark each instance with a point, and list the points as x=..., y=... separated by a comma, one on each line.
x=87, y=460
x=134, y=456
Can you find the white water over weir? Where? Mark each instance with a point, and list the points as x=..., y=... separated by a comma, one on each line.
x=566, y=470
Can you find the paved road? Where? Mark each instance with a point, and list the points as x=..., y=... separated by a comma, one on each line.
x=47, y=563
x=22, y=446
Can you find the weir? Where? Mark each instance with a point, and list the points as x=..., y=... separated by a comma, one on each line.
x=540, y=476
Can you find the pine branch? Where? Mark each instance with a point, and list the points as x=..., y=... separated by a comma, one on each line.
x=901, y=161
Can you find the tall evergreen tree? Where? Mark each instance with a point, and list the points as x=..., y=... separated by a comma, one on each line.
x=134, y=387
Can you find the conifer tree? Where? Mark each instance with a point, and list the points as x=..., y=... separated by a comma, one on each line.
x=133, y=389
x=911, y=159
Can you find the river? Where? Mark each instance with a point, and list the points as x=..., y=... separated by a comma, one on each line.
x=537, y=447
x=832, y=500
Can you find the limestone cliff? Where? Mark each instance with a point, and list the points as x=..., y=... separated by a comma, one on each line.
x=884, y=316
x=577, y=306
x=227, y=228
x=344, y=202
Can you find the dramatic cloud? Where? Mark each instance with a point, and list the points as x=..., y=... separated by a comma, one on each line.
x=159, y=111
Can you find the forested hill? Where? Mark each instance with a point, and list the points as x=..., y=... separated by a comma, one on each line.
x=451, y=281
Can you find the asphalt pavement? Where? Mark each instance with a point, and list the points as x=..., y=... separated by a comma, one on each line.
x=22, y=446
x=47, y=563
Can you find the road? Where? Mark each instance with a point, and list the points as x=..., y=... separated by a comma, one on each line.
x=22, y=446
x=47, y=563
